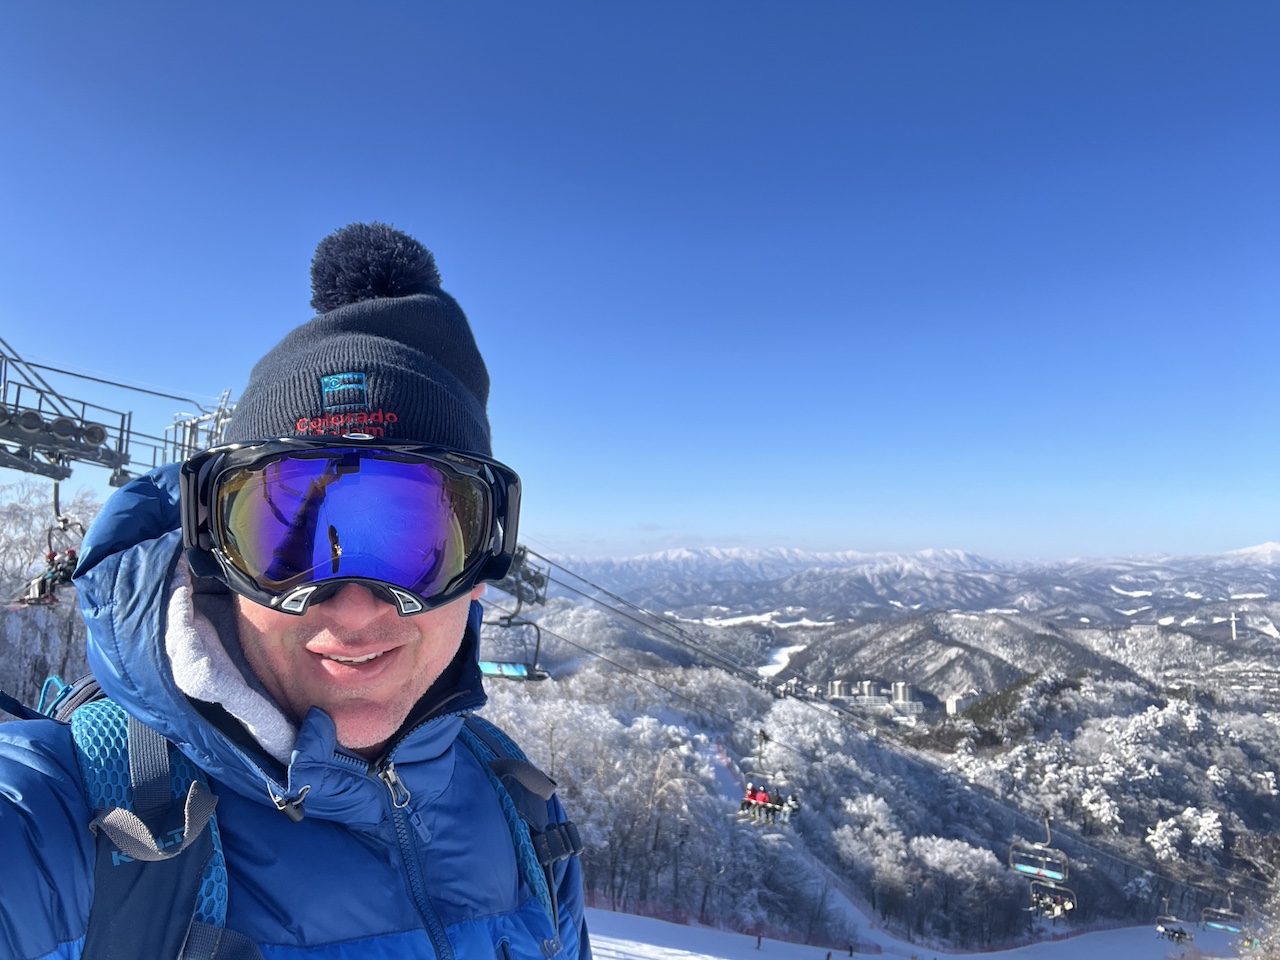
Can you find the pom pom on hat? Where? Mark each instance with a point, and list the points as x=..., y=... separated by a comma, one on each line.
x=364, y=261
x=389, y=355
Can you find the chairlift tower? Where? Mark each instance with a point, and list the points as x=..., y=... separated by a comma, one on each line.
x=44, y=432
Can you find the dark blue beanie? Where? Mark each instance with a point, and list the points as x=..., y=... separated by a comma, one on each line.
x=390, y=354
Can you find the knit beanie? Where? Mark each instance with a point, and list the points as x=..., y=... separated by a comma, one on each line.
x=390, y=354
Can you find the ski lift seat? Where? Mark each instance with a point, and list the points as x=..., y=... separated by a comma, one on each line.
x=1038, y=860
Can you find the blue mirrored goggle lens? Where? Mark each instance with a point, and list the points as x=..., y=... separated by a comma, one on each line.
x=306, y=518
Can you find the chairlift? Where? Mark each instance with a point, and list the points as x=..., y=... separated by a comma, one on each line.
x=1052, y=900
x=60, y=560
x=770, y=797
x=528, y=584
x=525, y=580
x=1171, y=928
x=1219, y=918
x=526, y=669
x=1039, y=860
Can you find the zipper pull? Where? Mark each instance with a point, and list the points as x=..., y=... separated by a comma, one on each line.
x=291, y=807
x=399, y=792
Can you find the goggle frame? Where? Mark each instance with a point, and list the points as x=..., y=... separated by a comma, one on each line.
x=204, y=542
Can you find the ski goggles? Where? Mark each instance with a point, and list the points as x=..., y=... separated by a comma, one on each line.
x=289, y=522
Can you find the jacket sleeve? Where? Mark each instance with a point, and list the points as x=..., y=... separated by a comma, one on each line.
x=46, y=849
x=568, y=875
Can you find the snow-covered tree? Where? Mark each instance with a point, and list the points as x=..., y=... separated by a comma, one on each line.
x=1205, y=830
x=1101, y=812
x=1164, y=838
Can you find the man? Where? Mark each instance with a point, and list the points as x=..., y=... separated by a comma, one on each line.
x=297, y=613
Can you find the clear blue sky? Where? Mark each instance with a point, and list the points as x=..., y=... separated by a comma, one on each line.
x=1002, y=276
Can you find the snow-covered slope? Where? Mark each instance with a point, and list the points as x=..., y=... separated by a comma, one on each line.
x=617, y=936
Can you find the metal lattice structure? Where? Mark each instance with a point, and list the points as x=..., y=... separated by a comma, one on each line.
x=44, y=431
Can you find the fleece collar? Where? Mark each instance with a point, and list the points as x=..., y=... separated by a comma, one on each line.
x=203, y=669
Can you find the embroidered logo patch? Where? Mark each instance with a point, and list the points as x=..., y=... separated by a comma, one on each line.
x=343, y=392
x=344, y=405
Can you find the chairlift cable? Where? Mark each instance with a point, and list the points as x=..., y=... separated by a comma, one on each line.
x=625, y=669
x=661, y=625
x=719, y=661
x=114, y=383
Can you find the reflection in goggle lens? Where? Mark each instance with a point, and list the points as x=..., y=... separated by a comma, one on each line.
x=302, y=519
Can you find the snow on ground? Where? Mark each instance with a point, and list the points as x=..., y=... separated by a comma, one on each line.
x=779, y=657
x=1130, y=593
x=617, y=936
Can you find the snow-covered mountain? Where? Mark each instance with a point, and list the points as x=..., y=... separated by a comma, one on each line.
x=1171, y=591
x=749, y=566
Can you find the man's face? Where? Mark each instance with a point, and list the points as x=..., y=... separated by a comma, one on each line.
x=354, y=657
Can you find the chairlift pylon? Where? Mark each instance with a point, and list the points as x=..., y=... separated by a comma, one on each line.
x=44, y=431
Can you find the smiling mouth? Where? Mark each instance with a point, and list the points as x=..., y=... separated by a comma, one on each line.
x=337, y=659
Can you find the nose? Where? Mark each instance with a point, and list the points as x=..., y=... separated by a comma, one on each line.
x=354, y=607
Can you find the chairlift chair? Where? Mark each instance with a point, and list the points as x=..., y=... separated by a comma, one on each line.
x=526, y=669
x=1052, y=900
x=528, y=584
x=1220, y=918
x=1171, y=928
x=774, y=784
x=63, y=539
x=1039, y=860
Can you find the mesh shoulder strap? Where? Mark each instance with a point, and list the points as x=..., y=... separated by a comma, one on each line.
x=524, y=792
x=160, y=880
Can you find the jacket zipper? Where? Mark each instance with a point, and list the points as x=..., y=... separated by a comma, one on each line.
x=398, y=797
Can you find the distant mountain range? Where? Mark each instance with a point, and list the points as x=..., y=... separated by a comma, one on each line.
x=946, y=620
x=1172, y=591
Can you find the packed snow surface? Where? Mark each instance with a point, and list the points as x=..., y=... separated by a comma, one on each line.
x=617, y=936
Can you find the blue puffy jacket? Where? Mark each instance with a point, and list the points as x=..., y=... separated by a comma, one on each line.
x=357, y=877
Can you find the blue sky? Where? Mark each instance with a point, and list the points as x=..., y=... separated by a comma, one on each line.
x=860, y=275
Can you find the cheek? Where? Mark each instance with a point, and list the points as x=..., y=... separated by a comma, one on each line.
x=442, y=635
x=261, y=632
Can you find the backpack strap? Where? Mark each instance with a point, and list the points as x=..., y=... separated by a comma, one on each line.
x=524, y=792
x=160, y=879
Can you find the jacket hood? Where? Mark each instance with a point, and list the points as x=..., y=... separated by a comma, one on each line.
x=129, y=580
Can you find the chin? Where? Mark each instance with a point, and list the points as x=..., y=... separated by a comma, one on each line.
x=359, y=734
